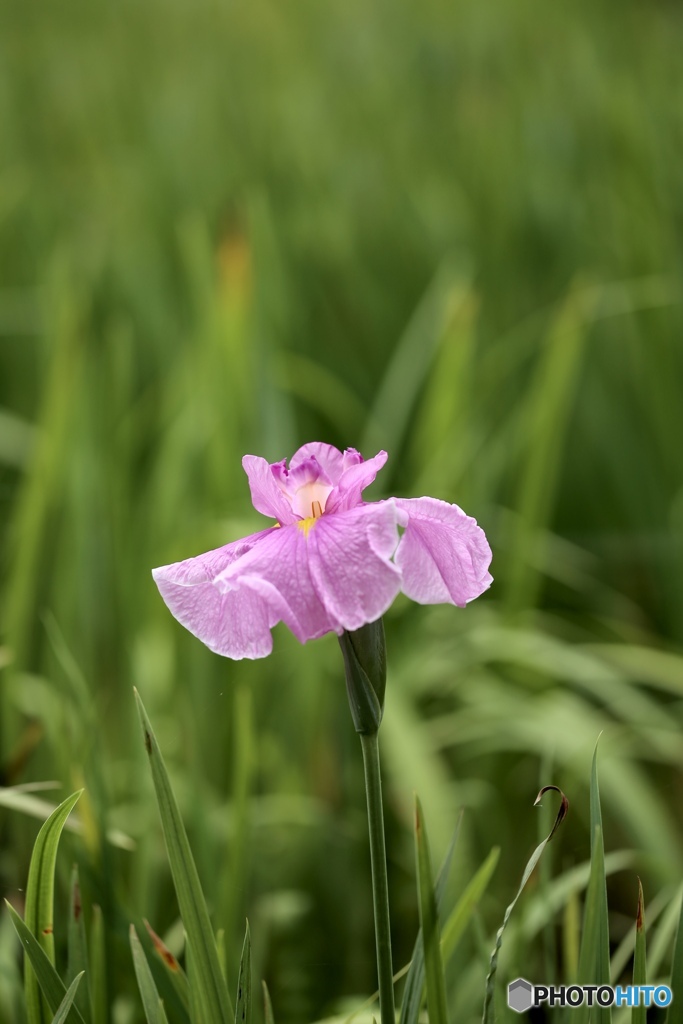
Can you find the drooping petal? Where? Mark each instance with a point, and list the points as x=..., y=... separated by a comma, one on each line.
x=329, y=458
x=443, y=555
x=278, y=570
x=266, y=496
x=350, y=563
x=232, y=621
x=352, y=483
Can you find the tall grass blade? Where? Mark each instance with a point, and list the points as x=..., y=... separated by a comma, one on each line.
x=40, y=899
x=267, y=1005
x=639, y=1013
x=211, y=994
x=98, y=969
x=51, y=985
x=488, y=1011
x=77, y=945
x=413, y=992
x=675, y=1011
x=594, y=962
x=146, y=985
x=65, y=1005
x=243, y=1001
x=243, y=763
x=175, y=972
x=462, y=912
x=548, y=408
x=429, y=922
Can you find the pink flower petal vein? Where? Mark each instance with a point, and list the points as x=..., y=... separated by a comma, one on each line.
x=331, y=563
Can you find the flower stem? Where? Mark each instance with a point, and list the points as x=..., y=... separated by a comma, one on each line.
x=380, y=888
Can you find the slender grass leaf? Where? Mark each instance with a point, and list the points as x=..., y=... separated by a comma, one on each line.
x=594, y=962
x=77, y=945
x=40, y=899
x=548, y=408
x=173, y=969
x=243, y=1001
x=213, y=1003
x=51, y=985
x=488, y=1012
x=462, y=912
x=414, y=987
x=639, y=1013
x=146, y=985
x=571, y=937
x=267, y=1005
x=243, y=766
x=429, y=923
x=65, y=1005
x=98, y=969
x=675, y=1010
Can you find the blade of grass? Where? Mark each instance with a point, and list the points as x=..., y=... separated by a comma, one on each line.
x=68, y=999
x=429, y=922
x=98, y=969
x=40, y=898
x=173, y=969
x=594, y=963
x=414, y=987
x=639, y=1013
x=675, y=1011
x=243, y=762
x=267, y=1005
x=488, y=1011
x=211, y=995
x=51, y=985
x=243, y=1002
x=462, y=912
x=77, y=947
x=148, y=990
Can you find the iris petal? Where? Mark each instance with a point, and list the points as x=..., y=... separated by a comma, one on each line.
x=443, y=555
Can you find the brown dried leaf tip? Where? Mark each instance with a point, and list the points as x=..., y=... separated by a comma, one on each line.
x=561, y=814
x=161, y=948
x=640, y=917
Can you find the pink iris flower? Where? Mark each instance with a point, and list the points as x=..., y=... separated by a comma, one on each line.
x=331, y=563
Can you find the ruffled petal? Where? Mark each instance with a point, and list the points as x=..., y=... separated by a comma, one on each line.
x=277, y=569
x=266, y=496
x=232, y=621
x=330, y=458
x=350, y=563
x=352, y=483
x=443, y=555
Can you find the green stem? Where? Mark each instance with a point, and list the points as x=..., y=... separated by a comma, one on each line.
x=380, y=888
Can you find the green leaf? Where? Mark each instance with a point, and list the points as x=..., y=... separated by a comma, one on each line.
x=488, y=1014
x=639, y=1013
x=98, y=969
x=77, y=945
x=675, y=1010
x=243, y=1003
x=414, y=987
x=39, y=902
x=267, y=1005
x=148, y=990
x=462, y=912
x=429, y=922
x=213, y=1003
x=51, y=985
x=68, y=999
x=172, y=967
x=594, y=963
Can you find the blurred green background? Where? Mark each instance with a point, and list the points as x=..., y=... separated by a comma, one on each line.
x=449, y=230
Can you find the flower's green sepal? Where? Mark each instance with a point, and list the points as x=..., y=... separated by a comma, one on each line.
x=365, y=663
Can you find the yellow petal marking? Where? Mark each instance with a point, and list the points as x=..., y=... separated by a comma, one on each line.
x=306, y=525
